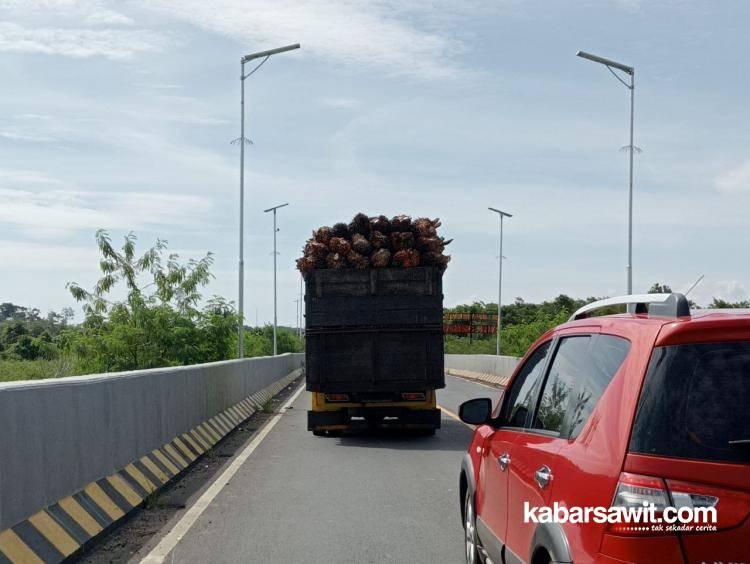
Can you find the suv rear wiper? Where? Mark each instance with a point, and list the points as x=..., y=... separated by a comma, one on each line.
x=741, y=443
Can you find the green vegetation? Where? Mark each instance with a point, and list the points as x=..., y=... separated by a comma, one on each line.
x=161, y=320
x=523, y=323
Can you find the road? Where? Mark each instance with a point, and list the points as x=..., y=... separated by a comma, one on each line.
x=370, y=498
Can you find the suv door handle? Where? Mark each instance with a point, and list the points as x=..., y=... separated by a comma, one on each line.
x=503, y=460
x=543, y=476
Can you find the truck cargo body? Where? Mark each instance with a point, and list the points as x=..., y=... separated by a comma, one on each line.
x=373, y=338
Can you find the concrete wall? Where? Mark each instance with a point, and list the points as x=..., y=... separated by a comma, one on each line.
x=58, y=435
x=487, y=367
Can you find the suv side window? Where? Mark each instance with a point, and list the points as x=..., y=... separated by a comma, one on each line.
x=567, y=367
x=581, y=370
x=520, y=400
x=606, y=355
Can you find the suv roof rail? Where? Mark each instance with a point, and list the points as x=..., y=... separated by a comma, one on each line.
x=665, y=305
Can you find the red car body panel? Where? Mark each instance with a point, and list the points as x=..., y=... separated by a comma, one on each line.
x=586, y=469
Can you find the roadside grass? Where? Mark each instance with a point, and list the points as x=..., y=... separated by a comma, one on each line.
x=11, y=370
x=267, y=407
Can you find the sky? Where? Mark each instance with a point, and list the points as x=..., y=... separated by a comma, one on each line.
x=119, y=115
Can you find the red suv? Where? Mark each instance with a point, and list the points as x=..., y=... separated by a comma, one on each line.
x=616, y=412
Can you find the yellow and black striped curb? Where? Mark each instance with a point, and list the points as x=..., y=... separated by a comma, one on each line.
x=491, y=379
x=58, y=531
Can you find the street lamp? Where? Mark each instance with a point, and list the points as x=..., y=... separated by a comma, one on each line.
x=631, y=72
x=501, y=214
x=296, y=301
x=242, y=140
x=275, y=230
x=301, y=306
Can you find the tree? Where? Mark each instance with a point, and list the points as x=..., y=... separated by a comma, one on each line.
x=160, y=322
x=718, y=303
x=657, y=288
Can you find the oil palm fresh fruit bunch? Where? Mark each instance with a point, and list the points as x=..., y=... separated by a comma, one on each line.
x=401, y=223
x=435, y=259
x=339, y=245
x=432, y=244
x=358, y=261
x=407, y=258
x=375, y=242
x=380, y=223
x=315, y=250
x=359, y=224
x=306, y=265
x=361, y=244
x=379, y=240
x=380, y=258
x=425, y=227
x=323, y=235
x=402, y=240
x=335, y=261
x=340, y=230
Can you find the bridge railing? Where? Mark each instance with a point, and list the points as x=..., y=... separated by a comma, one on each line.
x=59, y=436
x=488, y=368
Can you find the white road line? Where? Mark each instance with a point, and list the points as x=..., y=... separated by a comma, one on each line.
x=452, y=415
x=169, y=542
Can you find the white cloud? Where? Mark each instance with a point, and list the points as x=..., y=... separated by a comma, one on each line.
x=108, y=17
x=116, y=44
x=25, y=177
x=729, y=290
x=735, y=179
x=42, y=214
x=379, y=34
x=341, y=103
x=44, y=258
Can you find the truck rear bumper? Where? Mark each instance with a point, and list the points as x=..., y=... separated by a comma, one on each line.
x=374, y=417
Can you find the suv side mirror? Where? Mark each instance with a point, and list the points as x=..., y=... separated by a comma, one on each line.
x=475, y=411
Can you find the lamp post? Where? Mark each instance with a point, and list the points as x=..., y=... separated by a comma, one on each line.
x=631, y=148
x=301, y=306
x=501, y=214
x=275, y=230
x=296, y=301
x=242, y=140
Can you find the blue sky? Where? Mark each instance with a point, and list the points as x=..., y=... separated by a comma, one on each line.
x=119, y=115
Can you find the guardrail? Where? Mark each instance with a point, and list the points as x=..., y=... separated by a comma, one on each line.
x=487, y=368
x=76, y=454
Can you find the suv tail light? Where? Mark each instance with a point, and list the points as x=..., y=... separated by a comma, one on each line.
x=413, y=396
x=636, y=491
x=732, y=506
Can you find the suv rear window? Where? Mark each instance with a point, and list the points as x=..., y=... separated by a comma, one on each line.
x=695, y=403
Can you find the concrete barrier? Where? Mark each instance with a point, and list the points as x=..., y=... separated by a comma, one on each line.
x=487, y=368
x=77, y=453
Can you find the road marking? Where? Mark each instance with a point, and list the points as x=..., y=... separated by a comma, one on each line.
x=169, y=542
x=452, y=415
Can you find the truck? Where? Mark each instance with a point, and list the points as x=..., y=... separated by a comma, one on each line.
x=374, y=349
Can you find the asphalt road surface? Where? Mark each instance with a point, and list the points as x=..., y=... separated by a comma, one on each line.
x=366, y=498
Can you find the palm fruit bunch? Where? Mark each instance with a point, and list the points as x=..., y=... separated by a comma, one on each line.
x=375, y=242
